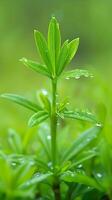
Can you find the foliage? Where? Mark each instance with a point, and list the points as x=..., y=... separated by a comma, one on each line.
x=48, y=168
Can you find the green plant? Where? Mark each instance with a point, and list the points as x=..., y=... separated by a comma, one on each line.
x=61, y=169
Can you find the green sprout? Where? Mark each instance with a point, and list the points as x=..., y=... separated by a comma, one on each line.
x=56, y=57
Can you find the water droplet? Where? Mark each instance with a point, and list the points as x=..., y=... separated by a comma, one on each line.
x=77, y=77
x=80, y=166
x=50, y=165
x=32, y=163
x=72, y=174
x=67, y=78
x=37, y=174
x=49, y=137
x=88, y=139
x=99, y=175
x=86, y=75
x=27, y=183
x=89, y=113
x=23, y=59
x=91, y=76
x=13, y=164
x=99, y=125
x=44, y=92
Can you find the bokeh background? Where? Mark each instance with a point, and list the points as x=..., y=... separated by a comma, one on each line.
x=88, y=19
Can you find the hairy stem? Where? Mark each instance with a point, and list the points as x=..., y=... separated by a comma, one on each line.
x=53, y=122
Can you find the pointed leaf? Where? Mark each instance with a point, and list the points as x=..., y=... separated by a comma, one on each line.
x=80, y=115
x=24, y=172
x=84, y=156
x=42, y=69
x=15, y=142
x=77, y=73
x=45, y=139
x=37, y=118
x=37, y=178
x=43, y=49
x=54, y=40
x=81, y=142
x=62, y=106
x=80, y=178
x=46, y=102
x=21, y=101
x=72, y=48
x=62, y=58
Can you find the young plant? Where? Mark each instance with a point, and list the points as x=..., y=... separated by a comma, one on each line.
x=62, y=168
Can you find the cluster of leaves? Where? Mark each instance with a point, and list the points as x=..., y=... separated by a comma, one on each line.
x=32, y=175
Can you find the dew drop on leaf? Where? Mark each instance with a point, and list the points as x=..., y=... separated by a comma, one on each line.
x=99, y=125
x=44, y=92
x=99, y=175
x=49, y=137
x=80, y=166
x=37, y=174
x=67, y=78
x=13, y=164
x=77, y=77
x=88, y=139
x=91, y=76
x=86, y=75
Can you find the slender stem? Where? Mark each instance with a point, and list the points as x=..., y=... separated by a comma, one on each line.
x=53, y=122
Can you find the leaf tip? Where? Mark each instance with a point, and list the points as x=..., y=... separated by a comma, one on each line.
x=30, y=125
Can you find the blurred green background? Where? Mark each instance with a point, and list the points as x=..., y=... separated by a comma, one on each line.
x=88, y=19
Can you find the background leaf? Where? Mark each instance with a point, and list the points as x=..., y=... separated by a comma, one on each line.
x=81, y=142
x=21, y=101
x=37, y=118
x=80, y=178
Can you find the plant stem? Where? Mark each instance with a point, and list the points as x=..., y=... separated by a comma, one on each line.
x=53, y=122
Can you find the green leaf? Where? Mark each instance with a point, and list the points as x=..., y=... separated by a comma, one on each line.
x=80, y=178
x=45, y=100
x=6, y=178
x=42, y=69
x=24, y=172
x=37, y=178
x=21, y=101
x=45, y=139
x=84, y=156
x=37, y=118
x=14, y=140
x=43, y=49
x=54, y=40
x=81, y=142
x=72, y=48
x=80, y=115
x=62, y=58
x=62, y=106
x=67, y=52
x=77, y=73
